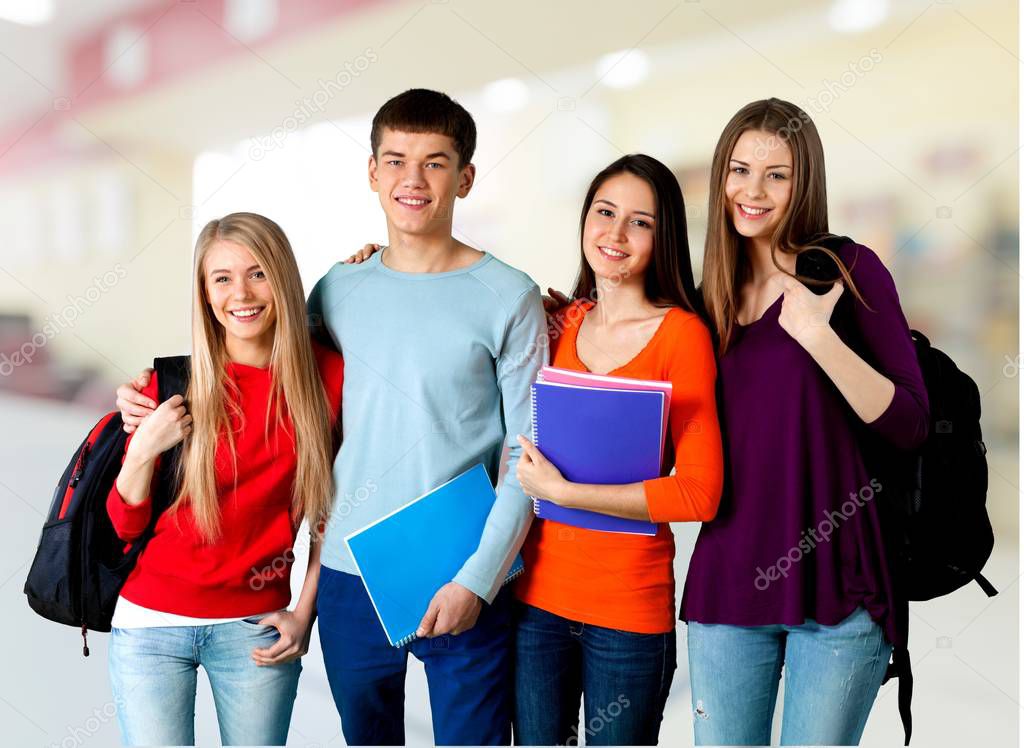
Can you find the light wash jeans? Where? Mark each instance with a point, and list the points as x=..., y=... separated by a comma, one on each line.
x=832, y=677
x=153, y=678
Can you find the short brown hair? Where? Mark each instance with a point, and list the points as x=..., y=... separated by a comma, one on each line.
x=422, y=110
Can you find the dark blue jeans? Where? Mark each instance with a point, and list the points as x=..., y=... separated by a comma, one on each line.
x=624, y=679
x=469, y=676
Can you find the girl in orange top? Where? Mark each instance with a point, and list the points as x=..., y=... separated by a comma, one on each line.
x=598, y=618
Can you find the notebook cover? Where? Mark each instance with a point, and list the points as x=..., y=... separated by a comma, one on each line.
x=408, y=555
x=594, y=435
x=607, y=382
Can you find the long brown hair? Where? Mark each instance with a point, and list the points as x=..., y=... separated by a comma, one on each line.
x=805, y=221
x=668, y=280
x=296, y=388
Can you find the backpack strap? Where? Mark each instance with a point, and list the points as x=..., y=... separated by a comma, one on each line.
x=986, y=585
x=900, y=668
x=173, y=374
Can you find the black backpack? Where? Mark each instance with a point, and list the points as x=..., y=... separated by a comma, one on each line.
x=936, y=527
x=80, y=564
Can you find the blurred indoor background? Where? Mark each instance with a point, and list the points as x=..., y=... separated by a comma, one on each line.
x=127, y=124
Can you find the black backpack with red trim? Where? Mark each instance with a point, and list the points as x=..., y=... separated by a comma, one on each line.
x=80, y=564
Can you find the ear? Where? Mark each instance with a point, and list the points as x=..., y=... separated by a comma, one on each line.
x=466, y=179
x=371, y=172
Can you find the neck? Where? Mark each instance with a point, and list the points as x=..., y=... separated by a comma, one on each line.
x=621, y=300
x=759, y=254
x=250, y=352
x=419, y=253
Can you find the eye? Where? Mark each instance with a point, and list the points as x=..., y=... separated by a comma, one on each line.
x=259, y=274
x=641, y=223
x=605, y=212
x=394, y=162
x=739, y=170
x=220, y=278
x=777, y=175
x=435, y=165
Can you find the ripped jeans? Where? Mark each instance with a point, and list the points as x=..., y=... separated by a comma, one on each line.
x=832, y=677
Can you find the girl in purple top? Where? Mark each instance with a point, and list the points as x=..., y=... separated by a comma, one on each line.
x=792, y=570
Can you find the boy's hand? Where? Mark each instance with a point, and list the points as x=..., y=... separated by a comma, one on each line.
x=555, y=301
x=363, y=254
x=133, y=405
x=453, y=610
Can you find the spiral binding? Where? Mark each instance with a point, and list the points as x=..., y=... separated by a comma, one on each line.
x=405, y=640
x=533, y=436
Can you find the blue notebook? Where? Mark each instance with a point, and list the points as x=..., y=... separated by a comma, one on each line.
x=409, y=554
x=595, y=435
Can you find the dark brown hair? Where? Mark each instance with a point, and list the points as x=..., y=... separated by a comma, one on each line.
x=421, y=110
x=805, y=221
x=668, y=280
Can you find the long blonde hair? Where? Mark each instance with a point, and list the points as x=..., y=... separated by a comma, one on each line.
x=804, y=223
x=296, y=387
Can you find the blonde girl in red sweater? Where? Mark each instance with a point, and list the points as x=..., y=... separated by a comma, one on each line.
x=212, y=586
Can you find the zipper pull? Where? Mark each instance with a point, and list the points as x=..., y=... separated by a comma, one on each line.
x=85, y=641
x=79, y=466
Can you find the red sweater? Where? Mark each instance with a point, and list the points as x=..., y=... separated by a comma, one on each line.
x=247, y=570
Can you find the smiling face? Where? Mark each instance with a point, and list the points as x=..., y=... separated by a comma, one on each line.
x=759, y=183
x=618, y=233
x=239, y=294
x=417, y=177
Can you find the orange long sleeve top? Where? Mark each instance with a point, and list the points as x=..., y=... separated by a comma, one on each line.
x=623, y=581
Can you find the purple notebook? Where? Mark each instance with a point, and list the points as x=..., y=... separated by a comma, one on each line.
x=595, y=435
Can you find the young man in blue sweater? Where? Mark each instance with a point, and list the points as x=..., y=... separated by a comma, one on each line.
x=441, y=343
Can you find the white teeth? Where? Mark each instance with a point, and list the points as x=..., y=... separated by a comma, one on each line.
x=613, y=252
x=246, y=312
x=754, y=211
x=411, y=201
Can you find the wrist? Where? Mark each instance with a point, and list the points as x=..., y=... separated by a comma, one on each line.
x=137, y=457
x=565, y=494
x=817, y=339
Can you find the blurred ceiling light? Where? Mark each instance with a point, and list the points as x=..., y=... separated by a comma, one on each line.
x=506, y=95
x=27, y=12
x=857, y=15
x=126, y=55
x=623, y=69
x=250, y=20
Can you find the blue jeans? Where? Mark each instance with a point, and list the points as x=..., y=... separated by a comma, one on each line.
x=832, y=677
x=153, y=679
x=624, y=679
x=469, y=676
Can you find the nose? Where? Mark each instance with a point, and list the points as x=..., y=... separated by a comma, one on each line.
x=754, y=187
x=412, y=176
x=617, y=230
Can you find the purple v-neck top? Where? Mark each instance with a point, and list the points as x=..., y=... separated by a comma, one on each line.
x=797, y=534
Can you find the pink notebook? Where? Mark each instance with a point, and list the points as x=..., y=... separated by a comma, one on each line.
x=603, y=381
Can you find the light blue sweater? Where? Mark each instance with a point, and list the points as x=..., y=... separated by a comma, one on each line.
x=438, y=368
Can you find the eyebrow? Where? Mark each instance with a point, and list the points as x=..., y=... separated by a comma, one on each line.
x=609, y=202
x=773, y=166
x=438, y=154
x=222, y=270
